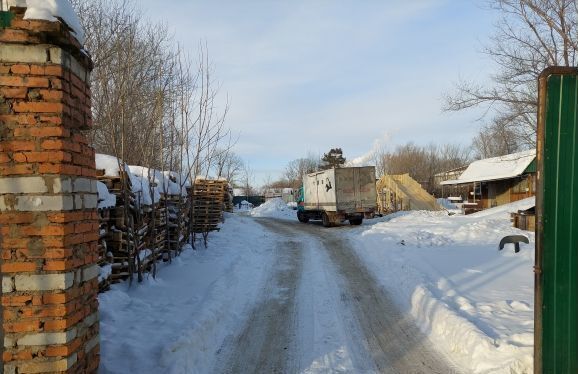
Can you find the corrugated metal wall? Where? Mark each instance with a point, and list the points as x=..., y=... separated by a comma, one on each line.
x=557, y=209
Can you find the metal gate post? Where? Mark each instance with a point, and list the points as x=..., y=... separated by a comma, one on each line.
x=556, y=269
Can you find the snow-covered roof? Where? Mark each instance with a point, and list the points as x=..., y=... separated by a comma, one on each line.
x=50, y=10
x=284, y=190
x=496, y=168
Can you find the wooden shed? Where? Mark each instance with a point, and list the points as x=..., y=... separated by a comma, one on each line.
x=498, y=180
x=525, y=219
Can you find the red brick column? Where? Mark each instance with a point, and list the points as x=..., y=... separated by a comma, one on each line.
x=48, y=201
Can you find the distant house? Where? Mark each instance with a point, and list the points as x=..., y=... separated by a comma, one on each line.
x=449, y=175
x=444, y=191
x=287, y=194
x=497, y=180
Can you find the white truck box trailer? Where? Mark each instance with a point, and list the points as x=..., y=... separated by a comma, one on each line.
x=337, y=195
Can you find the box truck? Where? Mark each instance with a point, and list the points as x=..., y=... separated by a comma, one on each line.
x=337, y=195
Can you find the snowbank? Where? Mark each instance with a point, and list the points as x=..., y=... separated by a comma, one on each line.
x=274, y=208
x=474, y=302
x=177, y=322
x=449, y=206
x=504, y=211
x=51, y=10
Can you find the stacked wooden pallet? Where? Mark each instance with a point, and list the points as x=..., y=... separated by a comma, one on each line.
x=104, y=256
x=141, y=221
x=176, y=209
x=207, y=206
x=122, y=241
x=141, y=230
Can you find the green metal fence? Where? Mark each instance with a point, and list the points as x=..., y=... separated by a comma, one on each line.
x=5, y=19
x=557, y=227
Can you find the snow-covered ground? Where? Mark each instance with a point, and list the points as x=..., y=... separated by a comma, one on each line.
x=474, y=302
x=275, y=208
x=174, y=323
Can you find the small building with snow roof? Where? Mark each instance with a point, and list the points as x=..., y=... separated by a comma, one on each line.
x=287, y=194
x=498, y=180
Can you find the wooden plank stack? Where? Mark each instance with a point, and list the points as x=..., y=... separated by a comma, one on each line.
x=122, y=242
x=208, y=204
x=134, y=236
x=176, y=210
x=104, y=256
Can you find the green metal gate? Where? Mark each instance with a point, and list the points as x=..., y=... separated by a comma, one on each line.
x=556, y=349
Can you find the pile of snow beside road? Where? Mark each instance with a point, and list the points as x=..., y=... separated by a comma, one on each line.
x=177, y=322
x=475, y=302
x=275, y=208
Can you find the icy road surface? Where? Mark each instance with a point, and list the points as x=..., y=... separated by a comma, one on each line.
x=321, y=311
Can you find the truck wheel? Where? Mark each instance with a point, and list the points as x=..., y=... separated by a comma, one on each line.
x=355, y=221
x=325, y=219
x=302, y=217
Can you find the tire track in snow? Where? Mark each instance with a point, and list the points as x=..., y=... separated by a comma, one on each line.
x=329, y=336
x=393, y=341
x=322, y=312
x=267, y=340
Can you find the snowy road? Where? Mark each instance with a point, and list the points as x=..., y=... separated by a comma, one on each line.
x=321, y=311
x=264, y=343
x=273, y=295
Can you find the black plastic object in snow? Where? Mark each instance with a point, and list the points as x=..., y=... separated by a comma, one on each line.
x=514, y=239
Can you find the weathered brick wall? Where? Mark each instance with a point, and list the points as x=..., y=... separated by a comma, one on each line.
x=48, y=217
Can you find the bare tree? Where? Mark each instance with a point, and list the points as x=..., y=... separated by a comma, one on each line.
x=232, y=168
x=152, y=106
x=495, y=140
x=248, y=178
x=132, y=78
x=296, y=169
x=530, y=36
x=422, y=162
x=225, y=163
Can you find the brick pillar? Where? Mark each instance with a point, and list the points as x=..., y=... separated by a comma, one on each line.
x=48, y=201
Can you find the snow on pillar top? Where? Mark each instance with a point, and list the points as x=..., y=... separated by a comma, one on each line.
x=49, y=10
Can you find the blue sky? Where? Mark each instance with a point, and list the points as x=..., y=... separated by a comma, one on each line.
x=306, y=76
